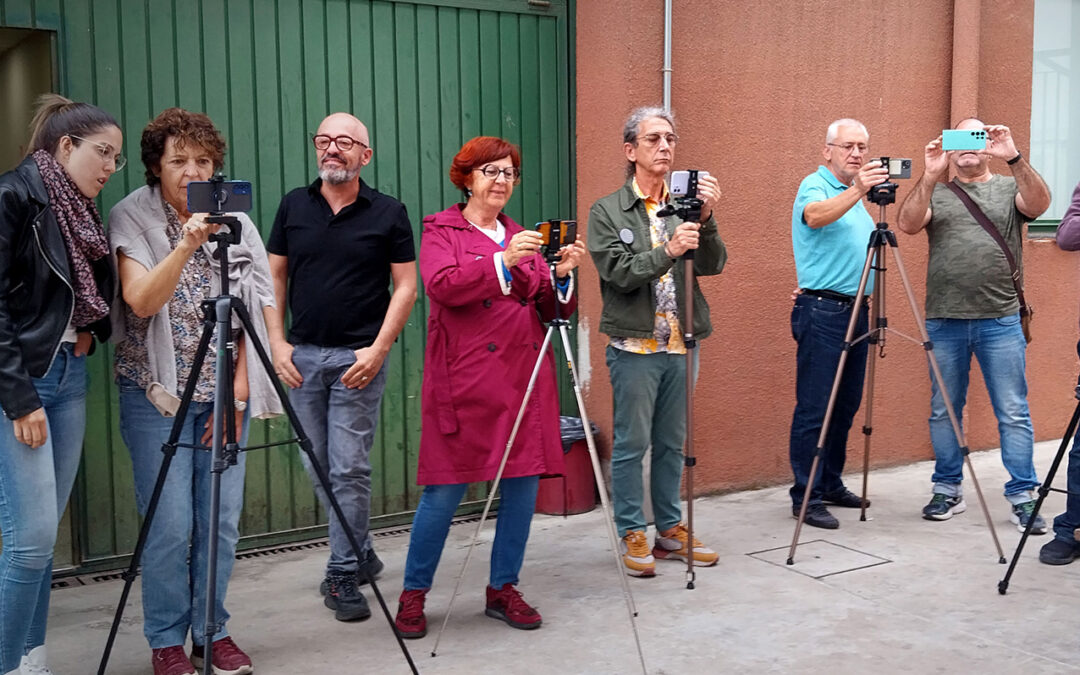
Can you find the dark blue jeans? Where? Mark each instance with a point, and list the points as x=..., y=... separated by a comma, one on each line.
x=818, y=326
x=1066, y=524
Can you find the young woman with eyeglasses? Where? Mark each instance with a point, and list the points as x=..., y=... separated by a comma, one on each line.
x=56, y=287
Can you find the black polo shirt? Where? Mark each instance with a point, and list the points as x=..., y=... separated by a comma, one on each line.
x=339, y=265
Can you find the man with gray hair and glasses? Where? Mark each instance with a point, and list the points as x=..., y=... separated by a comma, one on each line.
x=642, y=288
x=830, y=231
x=335, y=247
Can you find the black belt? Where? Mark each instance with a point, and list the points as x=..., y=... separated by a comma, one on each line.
x=831, y=295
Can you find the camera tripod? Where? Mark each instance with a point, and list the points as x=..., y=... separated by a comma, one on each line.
x=217, y=312
x=1045, y=489
x=883, y=238
x=688, y=210
x=562, y=325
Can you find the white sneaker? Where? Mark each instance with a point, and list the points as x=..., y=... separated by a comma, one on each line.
x=34, y=663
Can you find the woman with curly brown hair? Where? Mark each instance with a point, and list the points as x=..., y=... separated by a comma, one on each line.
x=165, y=262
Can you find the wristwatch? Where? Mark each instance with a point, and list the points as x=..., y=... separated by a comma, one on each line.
x=238, y=405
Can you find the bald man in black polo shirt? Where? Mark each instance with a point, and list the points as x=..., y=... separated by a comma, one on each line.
x=335, y=247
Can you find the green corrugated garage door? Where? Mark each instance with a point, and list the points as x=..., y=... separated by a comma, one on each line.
x=425, y=76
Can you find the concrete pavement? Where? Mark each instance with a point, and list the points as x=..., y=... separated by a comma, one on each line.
x=895, y=594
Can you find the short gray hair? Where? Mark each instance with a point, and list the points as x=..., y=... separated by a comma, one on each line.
x=834, y=128
x=633, y=123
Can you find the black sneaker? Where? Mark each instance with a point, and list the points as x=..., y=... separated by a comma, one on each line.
x=374, y=564
x=1059, y=552
x=817, y=516
x=846, y=498
x=344, y=597
x=1022, y=513
x=943, y=507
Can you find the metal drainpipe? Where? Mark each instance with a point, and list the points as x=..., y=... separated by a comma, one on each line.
x=667, y=55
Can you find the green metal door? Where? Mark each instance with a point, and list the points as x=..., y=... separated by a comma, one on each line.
x=425, y=76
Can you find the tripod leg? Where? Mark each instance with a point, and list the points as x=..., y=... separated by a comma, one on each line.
x=495, y=484
x=602, y=489
x=871, y=253
x=1044, y=490
x=877, y=313
x=224, y=431
x=953, y=419
x=320, y=471
x=689, y=459
x=169, y=450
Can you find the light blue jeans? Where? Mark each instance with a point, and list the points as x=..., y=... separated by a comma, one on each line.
x=649, y=394
x=34, y=488
x=517, y=502
x=174, y=561
x=341, y=425
x=999, y=346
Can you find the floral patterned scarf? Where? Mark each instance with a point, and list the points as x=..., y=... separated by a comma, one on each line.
x=80, y=225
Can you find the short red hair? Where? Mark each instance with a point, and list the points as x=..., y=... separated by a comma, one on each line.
x=480, y=151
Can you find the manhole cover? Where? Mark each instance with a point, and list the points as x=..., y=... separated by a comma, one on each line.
x=820, y=558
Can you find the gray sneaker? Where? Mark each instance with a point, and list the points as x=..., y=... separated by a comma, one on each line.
x=943, y=507
x=1022, y=514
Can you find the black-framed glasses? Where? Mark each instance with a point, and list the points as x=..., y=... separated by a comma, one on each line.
x=512, y=174
x=106, y=153
x=848, y=148
x=344, y=143
x=654, y=139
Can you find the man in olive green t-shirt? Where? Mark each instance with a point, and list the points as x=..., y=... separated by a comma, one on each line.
x=972, y=307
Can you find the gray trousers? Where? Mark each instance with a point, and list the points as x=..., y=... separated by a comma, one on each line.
x=341, y=425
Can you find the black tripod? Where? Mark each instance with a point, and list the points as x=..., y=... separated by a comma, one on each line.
x=688, y=210
x=883, y=238
x=1045, y=488
x=563, y=326
x=217, y=312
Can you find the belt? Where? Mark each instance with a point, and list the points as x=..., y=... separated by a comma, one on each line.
x=831, y=295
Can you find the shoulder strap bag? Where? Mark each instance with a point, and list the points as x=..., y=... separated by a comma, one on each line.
x=1026, y=310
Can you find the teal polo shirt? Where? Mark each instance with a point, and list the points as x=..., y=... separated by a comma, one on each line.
x=831, y=257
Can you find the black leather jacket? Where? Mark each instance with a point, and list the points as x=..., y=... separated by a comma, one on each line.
x=36, y=296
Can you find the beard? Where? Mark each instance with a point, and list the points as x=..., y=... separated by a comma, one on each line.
x=338, y=176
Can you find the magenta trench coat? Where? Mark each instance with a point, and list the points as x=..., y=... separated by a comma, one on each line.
x=481, y=349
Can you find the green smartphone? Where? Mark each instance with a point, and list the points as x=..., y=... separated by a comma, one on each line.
x=963, y=139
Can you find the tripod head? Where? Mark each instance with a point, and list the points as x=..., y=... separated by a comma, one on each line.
x=883, y=194
x=686, y=204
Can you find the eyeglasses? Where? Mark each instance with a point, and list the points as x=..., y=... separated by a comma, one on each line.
x=344, y=143
x=512, y=174
x=848, y=148
x=106, y=152
x=654, y=139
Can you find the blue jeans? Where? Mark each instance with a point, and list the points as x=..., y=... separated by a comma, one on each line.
x=649, y=396
x=34, y=488
x=999, y=346
x=174, y=586
x=517, y=501
x=819, y=326
x=341, y=425
x=1066, y=524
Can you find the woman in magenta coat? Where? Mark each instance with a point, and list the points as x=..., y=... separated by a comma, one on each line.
x=489, y=288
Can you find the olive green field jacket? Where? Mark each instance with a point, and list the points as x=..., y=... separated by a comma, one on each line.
x=621, y=248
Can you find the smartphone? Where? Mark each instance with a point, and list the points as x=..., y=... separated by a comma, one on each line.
x=963, y=139
x=899, y=167
x=564, y=232
x=685, y=185
x=219, y=196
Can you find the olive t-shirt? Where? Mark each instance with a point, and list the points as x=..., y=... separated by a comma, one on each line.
x=968, y=275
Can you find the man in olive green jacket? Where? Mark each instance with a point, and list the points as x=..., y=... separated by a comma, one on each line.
x=642, y=287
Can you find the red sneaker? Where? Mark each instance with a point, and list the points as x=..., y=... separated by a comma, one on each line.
x=410, y=621
x=508, y=605
x=171, y=661
x=228, y=659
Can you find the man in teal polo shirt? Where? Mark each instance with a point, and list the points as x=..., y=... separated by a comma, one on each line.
x=830, y=230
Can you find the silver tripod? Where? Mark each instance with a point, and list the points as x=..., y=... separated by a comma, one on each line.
x=883, y=238
x=563, y=327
